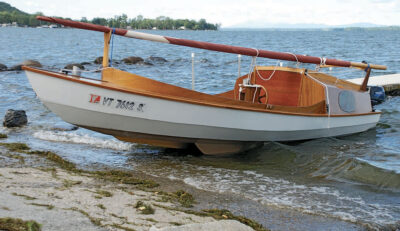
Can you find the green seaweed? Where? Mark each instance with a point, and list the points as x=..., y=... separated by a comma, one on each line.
x=175, y=223
x=123, y=177
x=95, y=221
x=219, y=214
x=49, y=207
x=121, y=227
x=104, y=193
x=3, y=136
x=101, y=206
x=144, y=208
x=70, y=183
x=64, y=164
x=119, y=217
x=151, y=220
x=14, y=156
x=226, y=214
x=19, y=173
x=185, y=198
x=15, y=147
x=24, y=196
x=16, y=224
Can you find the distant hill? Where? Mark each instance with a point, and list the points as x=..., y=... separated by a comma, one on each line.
x=5, y=7
x=10, y=14
x=257, y=25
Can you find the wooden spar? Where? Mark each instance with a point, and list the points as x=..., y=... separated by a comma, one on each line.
x=107, y=37
x=212, y=46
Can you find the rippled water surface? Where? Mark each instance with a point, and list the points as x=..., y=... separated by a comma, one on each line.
x=354, y=178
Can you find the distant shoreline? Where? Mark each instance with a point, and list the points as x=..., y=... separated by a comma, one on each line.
x=382, y=28
x=11, y=16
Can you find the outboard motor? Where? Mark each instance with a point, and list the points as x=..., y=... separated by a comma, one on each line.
x=377, y=94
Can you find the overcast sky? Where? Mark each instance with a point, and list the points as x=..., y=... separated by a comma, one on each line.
x=228, y=12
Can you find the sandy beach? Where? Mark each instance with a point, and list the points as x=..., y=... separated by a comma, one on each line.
x=42, y=187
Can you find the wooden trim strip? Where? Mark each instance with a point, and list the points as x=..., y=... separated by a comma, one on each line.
x=109, y=86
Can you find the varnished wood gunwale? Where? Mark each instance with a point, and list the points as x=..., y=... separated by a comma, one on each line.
x=113, y=87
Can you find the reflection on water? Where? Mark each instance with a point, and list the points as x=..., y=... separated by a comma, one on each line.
x=354, y=178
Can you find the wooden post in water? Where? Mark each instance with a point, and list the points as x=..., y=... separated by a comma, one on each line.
x=107, y=37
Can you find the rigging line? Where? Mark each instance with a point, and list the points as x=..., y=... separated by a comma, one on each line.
x=254, y=67
x=321, y=63
x=327, y=95
x=295, y=56
x=112, y=45
x=272, y=74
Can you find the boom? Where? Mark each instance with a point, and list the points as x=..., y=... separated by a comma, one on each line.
x=212, y=46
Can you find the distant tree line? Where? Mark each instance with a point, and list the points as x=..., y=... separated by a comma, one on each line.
x=9, y=14
x=161, y=23
x=21, y=19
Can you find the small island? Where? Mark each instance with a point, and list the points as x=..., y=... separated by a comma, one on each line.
x=11, y=16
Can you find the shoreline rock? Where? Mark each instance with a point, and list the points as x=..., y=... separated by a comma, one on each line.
x=157, y=59
x=29, y=63
x=15, y=118
x=98, y=60
x=3, y=67
x=132, y=60
x=69, y=66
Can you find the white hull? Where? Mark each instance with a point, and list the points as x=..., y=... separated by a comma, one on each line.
x=71, y=101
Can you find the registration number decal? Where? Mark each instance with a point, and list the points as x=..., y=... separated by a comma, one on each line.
x=116, y=103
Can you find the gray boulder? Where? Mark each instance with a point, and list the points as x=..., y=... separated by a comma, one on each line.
x=15, y=118
x=69, y=66
x=29, y=63
x=98, y=60
x=145, y=63
x=3, y=67
x=157, y=59
x=16, y=68
x=132, y=60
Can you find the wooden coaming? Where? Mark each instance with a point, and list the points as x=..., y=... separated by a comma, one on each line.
x=312, y=92
x=283, y=87
x=340, y=83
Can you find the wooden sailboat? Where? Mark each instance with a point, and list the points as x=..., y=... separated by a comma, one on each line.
x=268, y=104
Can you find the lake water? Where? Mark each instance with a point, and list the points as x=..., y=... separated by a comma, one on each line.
x=354, y=178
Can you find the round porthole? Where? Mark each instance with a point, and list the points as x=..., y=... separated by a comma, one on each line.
x=347, y=101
